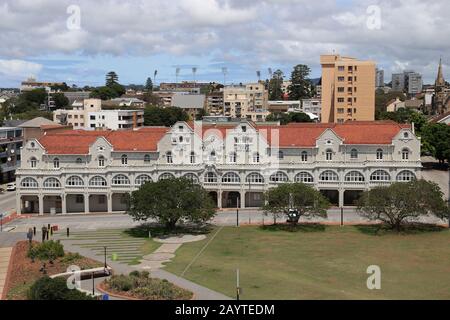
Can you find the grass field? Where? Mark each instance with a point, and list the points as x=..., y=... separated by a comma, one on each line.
x=318, y=262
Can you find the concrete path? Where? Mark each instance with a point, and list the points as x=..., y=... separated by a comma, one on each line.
x=200, y=292
x=5, y=256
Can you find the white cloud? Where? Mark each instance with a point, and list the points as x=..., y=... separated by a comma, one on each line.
x=19, y=68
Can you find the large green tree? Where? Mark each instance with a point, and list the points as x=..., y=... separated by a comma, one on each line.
x=157, y=116
x=401, y=203
x=437, y=139
x=149, y=85
x=275, y=92
x=61, y=101
x=170, y=200
x=111, y=78
x=308, y=201
x=301, y=86
x=292, y=117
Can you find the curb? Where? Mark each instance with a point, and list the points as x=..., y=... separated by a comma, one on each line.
x=8, y=274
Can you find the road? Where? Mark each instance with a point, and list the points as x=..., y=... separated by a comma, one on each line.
x=7, y=203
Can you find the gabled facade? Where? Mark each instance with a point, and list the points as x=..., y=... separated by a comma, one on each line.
x=86, y=171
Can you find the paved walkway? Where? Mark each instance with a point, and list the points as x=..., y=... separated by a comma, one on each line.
x=200, y=292
x=5, y=256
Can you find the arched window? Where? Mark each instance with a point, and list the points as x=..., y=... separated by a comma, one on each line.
x=147, y=158
x=329, y=176
x=79, y=161
x=329, y=155
x=192, y=177
x=56, y=163
x=74, y=181
x=169, y=157
x=124, y=159
x=380, y=175
x=256, y=157
x=210, y=177
x=380, y=154
x=279, y=177
x=304, y=177
x=120, y=180
x=33, y=162
x=52, y=183
x=304, y=156
x=231, y=177
x=280, y=155
x=29, y=183
x=101, y=161
x=233, y=157
x=354, y=154
x=98, y=181
x=192, y=157
x=354, y=176
x=406, y=176
x=142, y=179
x=255, y=178
x=166, y=176
x=405, y=154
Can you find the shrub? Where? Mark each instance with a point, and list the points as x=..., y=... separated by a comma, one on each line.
x=134, y=273
x=54, y=289
x=71, y=257
x=49, y=250
x=121, y=283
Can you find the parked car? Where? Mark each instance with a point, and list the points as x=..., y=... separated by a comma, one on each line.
x=11, y=187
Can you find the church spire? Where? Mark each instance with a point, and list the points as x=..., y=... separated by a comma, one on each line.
x=440, y=81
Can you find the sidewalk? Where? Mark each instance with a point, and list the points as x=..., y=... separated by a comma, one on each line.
x=5, y=256
x=200, y=292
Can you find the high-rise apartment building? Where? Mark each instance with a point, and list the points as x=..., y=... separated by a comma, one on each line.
x=246, y=101
x=409, y=81
x=379, y=80
x=348, y=89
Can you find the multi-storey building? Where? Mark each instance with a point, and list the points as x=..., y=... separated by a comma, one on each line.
x=89, y=115
x=246, y=101
x=32, y=83
x=409, y=81
x=379, y=79
x=192, y=104
x=11, y=140
x=214, y=103
x=92, y=171
x=348, y=89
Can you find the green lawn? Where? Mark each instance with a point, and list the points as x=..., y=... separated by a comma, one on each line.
x=320, y=263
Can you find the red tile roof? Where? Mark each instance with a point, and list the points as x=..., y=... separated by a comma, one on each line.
x=289, y=136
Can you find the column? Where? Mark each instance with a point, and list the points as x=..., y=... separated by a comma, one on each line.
x=341, y=198
x=219, y=199
x=86, y=203
x=41, y=205
x=242, y=197
x=63, y=204
x=18, y=204
x=109, y=202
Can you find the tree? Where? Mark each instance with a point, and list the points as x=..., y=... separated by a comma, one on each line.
x=308, y=201
x=275, y=92
x=286, y=118
x=403, y=202
x=170, y=200
x=111, y=78
x=149, y=85
x=200, y=114
x=156, y=116
x=301, y=87
x=437, y=137
x=47, y=288
x=61, y=101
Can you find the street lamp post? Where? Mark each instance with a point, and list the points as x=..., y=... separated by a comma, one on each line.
x=237, y=212
x=1, y=222
x=106, y=266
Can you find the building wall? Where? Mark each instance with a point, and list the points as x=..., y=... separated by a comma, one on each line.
x=362, y=86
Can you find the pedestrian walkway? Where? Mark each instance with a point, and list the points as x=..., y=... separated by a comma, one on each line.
x=5, y=256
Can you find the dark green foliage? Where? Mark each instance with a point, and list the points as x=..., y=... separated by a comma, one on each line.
x=275, y=92
x=49, y=250
x=54, y=289
x=403, y=203
x=170, y=200
x=60, y=100
x=301, y=86
x=286, y=118
x=156, y=116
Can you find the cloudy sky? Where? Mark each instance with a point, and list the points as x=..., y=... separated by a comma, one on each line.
x=79, y=41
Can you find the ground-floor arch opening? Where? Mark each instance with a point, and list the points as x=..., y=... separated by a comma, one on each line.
x=214, y=198
x=52, y=205
x=75, y=203
x=98, y=203
x=30, y=204
x=231, y=199
x=332, y=196
x=351, y=197
x=254, y=199
x=120, y=202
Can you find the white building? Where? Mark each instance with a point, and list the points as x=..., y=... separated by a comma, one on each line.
x=82, y=171
x=90, y=116
x=246, y=101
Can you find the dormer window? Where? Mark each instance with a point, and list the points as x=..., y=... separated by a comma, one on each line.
x=33, y=162
x=354, y=154
x=56, y=163
x=329, y=155
x=147, y=158
x=233, y=157
x=304, y=156
x=405, y=154
x=124, y=159
x=280, y=155
x=101, y=161
x=169, y=157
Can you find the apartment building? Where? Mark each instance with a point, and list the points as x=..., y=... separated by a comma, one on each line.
x=379, y=79
x=192, y=104
x=247, y=101
x=348, y=89
x=90, y=116
x=409, y=81
x=11, y=140
x=32, y=83
x=92, y=171
x=215, y=103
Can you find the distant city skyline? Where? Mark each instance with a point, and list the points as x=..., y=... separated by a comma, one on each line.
x=78, y=42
